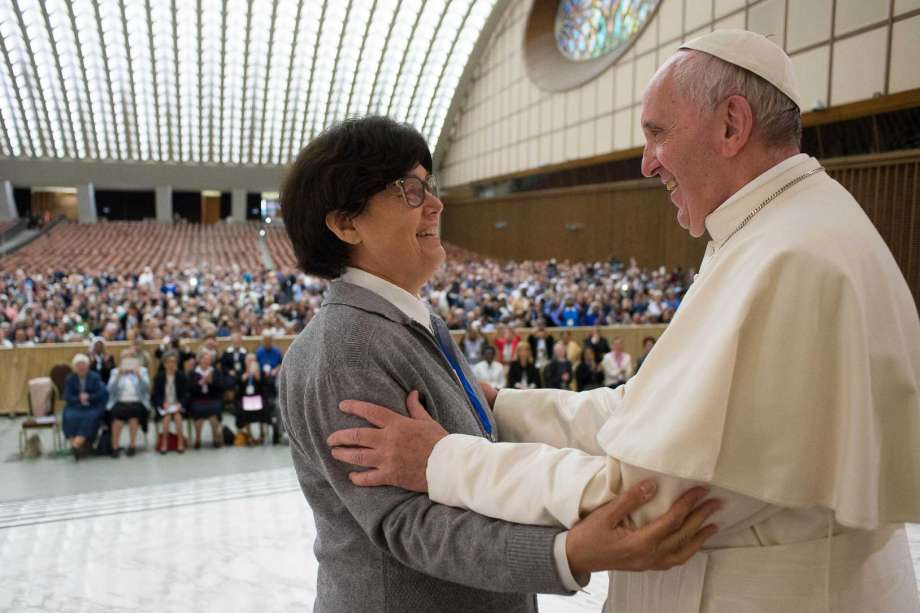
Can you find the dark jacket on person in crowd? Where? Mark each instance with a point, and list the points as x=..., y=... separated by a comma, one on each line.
x=553, y=375
x=516, y=374
x=158, y=393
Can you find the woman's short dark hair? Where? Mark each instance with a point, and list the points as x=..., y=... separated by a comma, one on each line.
x=340, y=170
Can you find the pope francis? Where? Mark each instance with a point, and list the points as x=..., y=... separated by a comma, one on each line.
x=788, y=382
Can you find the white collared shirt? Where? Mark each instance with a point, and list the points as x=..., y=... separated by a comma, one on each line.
x=712, y=220
x=411, y=306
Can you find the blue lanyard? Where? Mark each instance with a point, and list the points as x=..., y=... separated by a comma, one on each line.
x=448, y=351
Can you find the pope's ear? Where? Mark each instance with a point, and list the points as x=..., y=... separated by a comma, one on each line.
x=738, y=123
x=342, y=225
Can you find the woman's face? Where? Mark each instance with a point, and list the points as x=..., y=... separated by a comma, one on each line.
x=397, y=242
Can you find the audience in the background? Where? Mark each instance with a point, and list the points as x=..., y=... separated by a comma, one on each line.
x=597, y=343
x=522, y=374
x=101, y=361
x=129, y=400
x=557, y=373
x=55, y=305
x=253, y=400
x=589, y=374
x=473, y=342
x=269, y=357
x=206, y=398
x=489, y=370
x=617, y=365
x=234, y=357
x=647, y=343
x=541, y=344
x=506, y=344
x=170, y=401
x=85, y=396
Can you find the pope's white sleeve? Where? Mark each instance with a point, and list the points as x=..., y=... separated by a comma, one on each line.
x=526, y=483
x=558, y=418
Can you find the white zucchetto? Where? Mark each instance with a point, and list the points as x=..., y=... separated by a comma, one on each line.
x=754, y=52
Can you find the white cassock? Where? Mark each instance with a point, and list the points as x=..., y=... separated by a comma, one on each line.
x=788, y=381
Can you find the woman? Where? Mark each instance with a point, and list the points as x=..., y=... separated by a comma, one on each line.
x=252, y=400
x=506, y=343
x=361, y=209
x=647, y=344
x=617, y=365
x=588, y=373
x=170, y=399
x=129, y=400
x=86, y=398
x=206, y=402
x=522, y=373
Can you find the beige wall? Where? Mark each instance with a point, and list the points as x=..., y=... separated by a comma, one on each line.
x=840, y=49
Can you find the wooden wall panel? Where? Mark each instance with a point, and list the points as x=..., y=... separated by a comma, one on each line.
x=621, y=220
x=636, y=218
x=888, y=188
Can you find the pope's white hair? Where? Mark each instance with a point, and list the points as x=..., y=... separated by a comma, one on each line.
x=707, y=81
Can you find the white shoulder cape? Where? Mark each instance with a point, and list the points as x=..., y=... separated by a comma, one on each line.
x=791, y=371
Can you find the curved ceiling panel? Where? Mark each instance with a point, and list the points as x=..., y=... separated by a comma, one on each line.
x=221, y=81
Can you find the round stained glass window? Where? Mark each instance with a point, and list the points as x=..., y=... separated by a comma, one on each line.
x=588, y=29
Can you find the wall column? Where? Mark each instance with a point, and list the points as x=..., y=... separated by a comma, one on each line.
x=86, y=197
x=8, y=210
x=164, y=203
x=238, y=205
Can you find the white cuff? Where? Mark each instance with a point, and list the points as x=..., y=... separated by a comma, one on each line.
x=562, y=564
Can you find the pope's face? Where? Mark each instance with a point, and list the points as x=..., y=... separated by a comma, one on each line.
x=680, y=148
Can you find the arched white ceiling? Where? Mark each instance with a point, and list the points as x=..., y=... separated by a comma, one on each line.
x=225, y=82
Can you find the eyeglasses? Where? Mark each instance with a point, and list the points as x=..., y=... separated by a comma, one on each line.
x=413, y=189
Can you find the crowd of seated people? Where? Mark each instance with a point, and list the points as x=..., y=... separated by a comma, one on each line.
x=101, y=398
x=53, y=303
x=539, y=361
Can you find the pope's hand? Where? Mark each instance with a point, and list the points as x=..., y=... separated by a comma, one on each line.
x=395, y=452
x=606, y=540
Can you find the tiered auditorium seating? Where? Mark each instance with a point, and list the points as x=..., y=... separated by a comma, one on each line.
x=126, y=247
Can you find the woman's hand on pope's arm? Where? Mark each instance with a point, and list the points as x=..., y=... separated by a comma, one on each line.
x=395, y=452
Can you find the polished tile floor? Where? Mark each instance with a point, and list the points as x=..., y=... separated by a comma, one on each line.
x=212, y=530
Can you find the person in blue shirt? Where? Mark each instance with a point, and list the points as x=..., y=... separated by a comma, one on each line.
x=269, y=356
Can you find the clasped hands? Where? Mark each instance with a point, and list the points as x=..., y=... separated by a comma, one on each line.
x=396, y=450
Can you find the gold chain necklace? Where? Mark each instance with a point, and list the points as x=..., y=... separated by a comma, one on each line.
x=770, y=199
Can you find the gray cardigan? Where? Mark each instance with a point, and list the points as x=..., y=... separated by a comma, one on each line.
x=383, y=548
